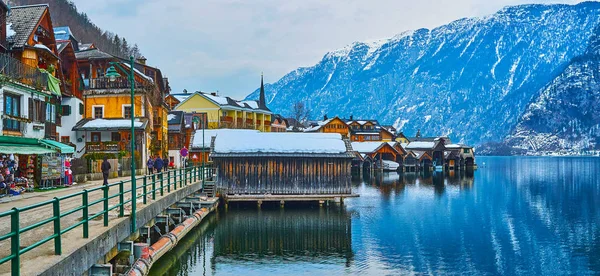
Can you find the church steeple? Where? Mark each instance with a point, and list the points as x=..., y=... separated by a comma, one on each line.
x=262, y=103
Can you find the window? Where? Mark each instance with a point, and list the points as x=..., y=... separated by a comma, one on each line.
x=127, y=111
x=37, y=110
x=66, y=110
x=115, y=136
x=98, y=111
x=467, y=150
x=96, y=137
x=12, y=107
x=65, y=139
x=50, y=113
x=81, y=108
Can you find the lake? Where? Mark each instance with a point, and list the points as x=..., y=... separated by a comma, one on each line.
x=513, y=216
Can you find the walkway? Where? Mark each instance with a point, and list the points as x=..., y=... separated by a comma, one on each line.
x=40, y=258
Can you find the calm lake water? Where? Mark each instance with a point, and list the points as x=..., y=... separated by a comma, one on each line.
x=514, y=216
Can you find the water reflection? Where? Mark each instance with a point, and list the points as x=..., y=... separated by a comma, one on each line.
x=515, y=216
x=314, y=236
x=393, y=183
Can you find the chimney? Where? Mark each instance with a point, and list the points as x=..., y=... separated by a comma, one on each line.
x=325, y=117
x=351, y=119
x=141, y=60
x=185, y=91
x=213, y=93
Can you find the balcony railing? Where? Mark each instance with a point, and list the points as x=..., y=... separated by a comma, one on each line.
x=227, y=119
x=118, y=83
x=17, y=71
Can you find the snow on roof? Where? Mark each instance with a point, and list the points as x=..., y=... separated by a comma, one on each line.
x=319, y=125
x=252, y=104
x=42, y=46
x=366, y=147
x=103, y=123
x=217, y=99
x=171, y=117
x=181, y=98
x=139, y=72
x=273, y=142
x=9, y=30
x=209, y=133
x=421, y=145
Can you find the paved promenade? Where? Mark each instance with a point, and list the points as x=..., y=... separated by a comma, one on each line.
x=35, y=261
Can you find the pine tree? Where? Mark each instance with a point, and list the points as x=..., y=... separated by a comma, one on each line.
x=117, y=45
x=125, y=51
x=135, y=51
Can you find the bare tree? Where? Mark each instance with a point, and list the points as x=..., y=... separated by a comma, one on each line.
x=300, y=113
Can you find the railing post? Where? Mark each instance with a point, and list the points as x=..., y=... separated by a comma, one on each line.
x=168, y=181
x=162, y=183
x=185, y=177
x=180, y=178
x=84, y=201
x=105, y=205
x=121, y=200
x=153, y=189
x=15, y=243
x=144, y=183
x=57, y=238
x=194, y=173
x=175, y=179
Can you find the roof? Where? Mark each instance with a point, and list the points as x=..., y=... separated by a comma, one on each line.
x=86, y=46
x=196, y=141
x=92, y=54
x=60, y=147
x=61, y=45
x=230, y=144
x=429, y=139
x=420, y=145
x=110, y=124
x=62, y=33
x=366, y=147
x=24, y=19
x=23, y=145
x=175, y=117
x=225, y=102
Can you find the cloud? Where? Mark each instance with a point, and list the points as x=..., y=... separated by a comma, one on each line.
x=225, y=44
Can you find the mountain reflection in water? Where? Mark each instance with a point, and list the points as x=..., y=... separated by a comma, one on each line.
x=515, y=216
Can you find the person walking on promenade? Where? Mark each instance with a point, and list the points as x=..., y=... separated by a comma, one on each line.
x=166, y=163
x=158, y=164
x=105, y=167
x=150, y=165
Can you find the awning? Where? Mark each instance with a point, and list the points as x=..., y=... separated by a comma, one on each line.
x=23, y=149
x=60, y=147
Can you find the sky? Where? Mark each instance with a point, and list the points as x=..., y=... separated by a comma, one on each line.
x=225, y=45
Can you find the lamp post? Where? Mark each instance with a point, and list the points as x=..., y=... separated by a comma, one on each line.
x=112, y=75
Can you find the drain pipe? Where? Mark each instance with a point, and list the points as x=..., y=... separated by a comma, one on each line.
x=151, y=254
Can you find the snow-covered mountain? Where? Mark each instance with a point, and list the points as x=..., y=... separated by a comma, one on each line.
x=471, y=79
x=565, y=116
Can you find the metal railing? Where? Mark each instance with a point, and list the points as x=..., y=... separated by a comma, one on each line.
x=152, y=186
x=18, y=71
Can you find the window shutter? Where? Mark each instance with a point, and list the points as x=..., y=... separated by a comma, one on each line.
x=65, y=110
x=30, y=110
x=81, y=109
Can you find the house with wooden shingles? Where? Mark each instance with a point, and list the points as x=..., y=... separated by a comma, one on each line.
x=327, y=125
x=225, y=112
x=368, y=130
x=279, y=124
x=429, y=151
x=107, y=114
x=31, y=88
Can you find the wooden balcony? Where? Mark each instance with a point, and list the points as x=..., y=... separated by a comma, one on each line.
x=17, y=71
x=93, y=86
x=103, y=147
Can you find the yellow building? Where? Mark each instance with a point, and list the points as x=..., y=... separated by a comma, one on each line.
x=107, y=106
x=225, y=112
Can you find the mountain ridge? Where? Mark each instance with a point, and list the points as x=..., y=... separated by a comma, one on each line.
x=456, y=79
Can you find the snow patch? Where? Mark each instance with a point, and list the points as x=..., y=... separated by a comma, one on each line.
x=270, y=142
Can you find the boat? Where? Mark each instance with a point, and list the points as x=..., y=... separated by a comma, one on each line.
x=387, y=165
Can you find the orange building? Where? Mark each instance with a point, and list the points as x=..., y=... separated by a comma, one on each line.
x=333, y=125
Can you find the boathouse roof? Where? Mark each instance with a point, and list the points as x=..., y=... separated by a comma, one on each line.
x=272, y=144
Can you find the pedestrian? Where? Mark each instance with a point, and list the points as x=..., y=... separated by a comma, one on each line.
x=150, y=165
x=105, y=169
x=158, y=164
x=166, y=163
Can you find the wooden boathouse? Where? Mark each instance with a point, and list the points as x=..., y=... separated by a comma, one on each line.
x=260, y=167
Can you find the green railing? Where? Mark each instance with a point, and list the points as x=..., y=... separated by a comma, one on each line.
x=152, y=185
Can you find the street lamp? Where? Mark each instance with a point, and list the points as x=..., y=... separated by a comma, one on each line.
x=112, y=74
